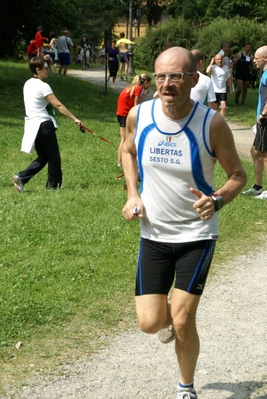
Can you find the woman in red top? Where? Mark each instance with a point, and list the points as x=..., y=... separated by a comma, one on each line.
x=132, y=95
x=39, y=38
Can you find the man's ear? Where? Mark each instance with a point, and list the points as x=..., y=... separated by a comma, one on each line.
x=195, y=78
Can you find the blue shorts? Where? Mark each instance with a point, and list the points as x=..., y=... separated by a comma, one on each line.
x=160, y=264
x=124, y=57
x=64, y=58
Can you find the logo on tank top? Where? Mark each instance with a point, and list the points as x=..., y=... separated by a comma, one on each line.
x=167, y=142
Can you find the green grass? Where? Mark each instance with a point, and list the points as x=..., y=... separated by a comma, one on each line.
x=243, y=115
x=67, y=258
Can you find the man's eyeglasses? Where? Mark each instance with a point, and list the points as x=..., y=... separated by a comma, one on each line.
x=174, y=77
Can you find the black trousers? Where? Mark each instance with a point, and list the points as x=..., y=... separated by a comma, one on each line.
x=46, y=146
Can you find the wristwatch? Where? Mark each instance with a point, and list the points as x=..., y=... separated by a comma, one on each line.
x=217, y=201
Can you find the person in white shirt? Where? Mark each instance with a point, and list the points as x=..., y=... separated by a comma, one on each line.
x=40, y=128
x=220, y=75
x=203, y=92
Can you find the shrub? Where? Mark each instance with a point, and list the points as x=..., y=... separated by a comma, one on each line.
x=178, y=32
x=237, y=31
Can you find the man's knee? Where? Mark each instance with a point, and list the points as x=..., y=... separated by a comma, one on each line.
x=256, y=155
x=152, y=312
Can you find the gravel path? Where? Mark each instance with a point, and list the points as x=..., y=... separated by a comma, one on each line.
x=232, y=324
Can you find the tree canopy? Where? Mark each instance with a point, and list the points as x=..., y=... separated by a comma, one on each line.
x=19, y=19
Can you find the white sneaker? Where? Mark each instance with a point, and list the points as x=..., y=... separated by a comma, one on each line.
x=18, y=185
x=166, y=335
x=186, y=394
x=263, y=195
x=252, y=191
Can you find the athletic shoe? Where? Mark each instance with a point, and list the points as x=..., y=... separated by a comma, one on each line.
x=18, y=184
x=262, y=196
x=113, y=86
x=186, y=394
x=166, y=335
x=253, y=191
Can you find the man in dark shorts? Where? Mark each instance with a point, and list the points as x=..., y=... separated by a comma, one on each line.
x=259, y=148
x=172, y=144
x=243, y=65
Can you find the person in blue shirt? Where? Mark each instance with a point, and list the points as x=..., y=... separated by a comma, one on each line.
x=113, y=62
x=259, y=147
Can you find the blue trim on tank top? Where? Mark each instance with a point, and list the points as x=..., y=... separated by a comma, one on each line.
x=140, y=150
x=196, y=165
x=178, y=131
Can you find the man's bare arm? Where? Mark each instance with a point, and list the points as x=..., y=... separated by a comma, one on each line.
x=223, y=146
x=130, y=169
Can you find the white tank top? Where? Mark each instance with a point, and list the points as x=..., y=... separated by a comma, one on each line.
x=173, y=156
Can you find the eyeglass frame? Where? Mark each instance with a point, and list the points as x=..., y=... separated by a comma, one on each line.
x=168, y=75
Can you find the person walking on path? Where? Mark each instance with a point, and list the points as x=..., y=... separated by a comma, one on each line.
x=259, y=148
x=122, y=45
x=40, y=128
x=113, y=62
x=220, y=75
x=63, y=47
x=203, y=92
x=132, y=95
x=53, y=46
x=243, y=66
x=172, y=143
x=84, y=47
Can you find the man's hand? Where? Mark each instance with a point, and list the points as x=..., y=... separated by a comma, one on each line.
x=133, y=209
x=203, y=205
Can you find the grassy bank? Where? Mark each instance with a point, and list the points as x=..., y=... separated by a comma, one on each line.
x=67, y=258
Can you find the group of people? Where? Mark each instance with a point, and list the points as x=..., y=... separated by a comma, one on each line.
x=170, y=145
x=59, y=49
x=223, y=69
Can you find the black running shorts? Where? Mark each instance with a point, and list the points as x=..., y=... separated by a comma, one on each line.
x=220, y=97
x=260, y=141
x=122, y=120
x=160, y=264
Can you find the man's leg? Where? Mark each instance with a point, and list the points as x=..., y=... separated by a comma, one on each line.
x=258, y=165
x=223, y=108
x=152, y=312
x=126, y=68
x=121, y=66
x=123, y=138
x=245, y=91
x=183, y=314
x=65, y=67
x=239, y=89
